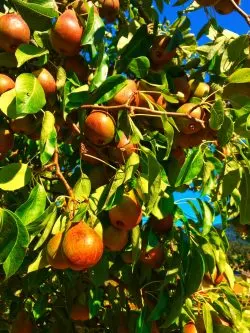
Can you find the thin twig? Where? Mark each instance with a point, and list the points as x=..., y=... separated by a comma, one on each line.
x=241, y=11
x=60, y=175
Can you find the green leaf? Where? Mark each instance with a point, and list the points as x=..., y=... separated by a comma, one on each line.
x=138, y=46
x=34, y=206
x=48, y=138
x=8, y=103
x=131, y=166
x=207, y=317
x=174, y=307
x=191, y=168
x=26, y=52
x=8, y=60
x=161, y=305
x=14, y=240
x=40, y=223
x=82, y=188
x=38, y=16
x=139, y=66
x=95, y=29
x=242, y=126
x=14, y=176
x=230, y=181
x=100, y=272
x=226, y=131
x=30, y=97
x=136, y=243
x=195, y=272
x=102, y=68
x=49, y=223
x=241, y=75
x=217, y=115
x=39, y=263
x=245, y=197
x=109, y=89
x=207, y=216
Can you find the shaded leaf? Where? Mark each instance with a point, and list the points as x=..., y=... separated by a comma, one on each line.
x=14, y=176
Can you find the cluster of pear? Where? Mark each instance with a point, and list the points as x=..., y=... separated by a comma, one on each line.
x=221, y=6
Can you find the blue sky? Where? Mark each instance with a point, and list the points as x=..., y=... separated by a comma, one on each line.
x=234, y=21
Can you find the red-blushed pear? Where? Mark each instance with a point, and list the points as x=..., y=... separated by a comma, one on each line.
x=163, y=225
x=182, y=88
x=123, y=149
x=77, y=65
x=79, y=312
x=199, y=89
x=127, y=213
x=189, y=125
x=154, y=257
x=23, y=125
x=54, y=252
x=46, y=80
x=178, y=153
x=82, y=246
x=82, y=7
x=190, y=328
x=126, y=94
x=115, y=239
x=225, y=7
x=13, y=32
x=99, y=128
x=109, y=9
x=159, y=54
x=6, y=83
x=66, y=34
x=6, y=141
x=22, y=323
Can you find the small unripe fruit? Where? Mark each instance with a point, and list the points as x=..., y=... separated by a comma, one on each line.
x=199, y=89
x=46, y=80
x=82, y=246
x=79, y=312
x=13, y=32
x=127, y=214
x=6, y=83
x=99, y=128
x=115, y=239
x=66, y=34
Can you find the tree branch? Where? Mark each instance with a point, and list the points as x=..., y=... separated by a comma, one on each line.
x=143, y=111
x=241, y=11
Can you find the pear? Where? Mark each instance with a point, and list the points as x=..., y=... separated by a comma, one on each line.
x=66, y=34
x=13, y=32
